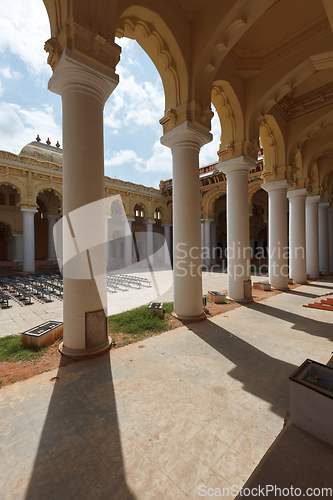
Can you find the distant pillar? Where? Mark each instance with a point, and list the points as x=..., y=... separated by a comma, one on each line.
x=297, y=244
x=52, y=219
x=128, y=244
x=107, y=240
x=202, y=228
x=18, y=247
x=150, y=240
x=167, y=244
x=312, y=236
x=213, y=241
x=207, y=260
x=324, y=255
x=330, y=233
x=28, y=239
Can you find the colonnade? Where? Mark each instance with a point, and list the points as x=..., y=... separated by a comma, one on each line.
x=85, y=87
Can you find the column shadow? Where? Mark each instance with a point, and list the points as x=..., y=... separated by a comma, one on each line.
x=321, y=286
x=80, y=451
x=304, y=294
x=261, y=375
x=301, y=323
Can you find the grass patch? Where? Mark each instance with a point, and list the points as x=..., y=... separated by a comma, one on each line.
x=138, y=324
x=11, y=349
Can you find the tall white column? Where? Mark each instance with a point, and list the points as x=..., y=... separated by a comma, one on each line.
x=28, y=240
x=297, y=244
x=238, y=227
x=185, y=142
x=207, y=249
x=202, y=233
x=312, y=236
x=278, y=233
x=52, y=219
x=213, y=241
x=107, y=241
x=330, y=234
x=128, y=243
x=149, y=240
x=324, y=254
x=84, y=86
x=18, y=247
x=167, y=244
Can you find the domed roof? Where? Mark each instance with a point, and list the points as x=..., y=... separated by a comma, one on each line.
x=42, y=152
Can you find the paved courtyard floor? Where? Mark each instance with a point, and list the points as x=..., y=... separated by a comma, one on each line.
x=167, y=418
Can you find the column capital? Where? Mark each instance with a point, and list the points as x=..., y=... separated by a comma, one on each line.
x=324, y=206
x=147, y=222
x=313, y=199
x=129, y=219
x=282, y=185
x=166, y=225
x=74, y=73
x=186, y=134
x=241, y=164
x=52, y=216
x=298, y=193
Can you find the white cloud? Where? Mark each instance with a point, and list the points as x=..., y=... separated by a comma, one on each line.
x=24, y=27
x=123, y=156
x=134, y=104
x=8, y=73
x=1, y=88
x=19, y=126
x=159, y=162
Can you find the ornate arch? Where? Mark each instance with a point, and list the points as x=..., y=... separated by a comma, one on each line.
x=157, y=40
x=209, y=200
x=230, y=113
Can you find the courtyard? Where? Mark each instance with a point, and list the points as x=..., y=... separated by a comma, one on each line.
x=195, y=407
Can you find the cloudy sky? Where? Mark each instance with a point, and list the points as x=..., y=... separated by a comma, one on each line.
x=131, y=120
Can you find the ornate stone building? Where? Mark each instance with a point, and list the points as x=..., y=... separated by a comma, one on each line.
x=31, y=203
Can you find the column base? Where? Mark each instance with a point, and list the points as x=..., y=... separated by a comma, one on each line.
x=248, y=300
x=200, y=317
x=86, y=353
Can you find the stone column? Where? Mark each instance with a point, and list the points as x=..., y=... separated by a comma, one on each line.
x=238, y=227
x=312, y=236
x=150, y=240
x=84, y=86
x=107, y=241
x=330, y=233
x=18, y=247
x=202, y=236
x=128, y=243
x=278, y=233
x=324, y=253
x=185, y=142
x=28, y=240
x=52, y=219
x=167, y=244
x=297, y=244
x=207, y=260
x=213, y=241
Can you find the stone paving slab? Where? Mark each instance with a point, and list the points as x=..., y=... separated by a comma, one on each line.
x=194, y=408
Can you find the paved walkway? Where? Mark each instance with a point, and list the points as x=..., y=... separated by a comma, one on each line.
x=167, y=418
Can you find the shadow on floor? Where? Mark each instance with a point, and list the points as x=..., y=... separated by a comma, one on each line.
x=80, y=453
x=312, y=296
x=301, y=323
x=261, y=375
x=321, y=286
